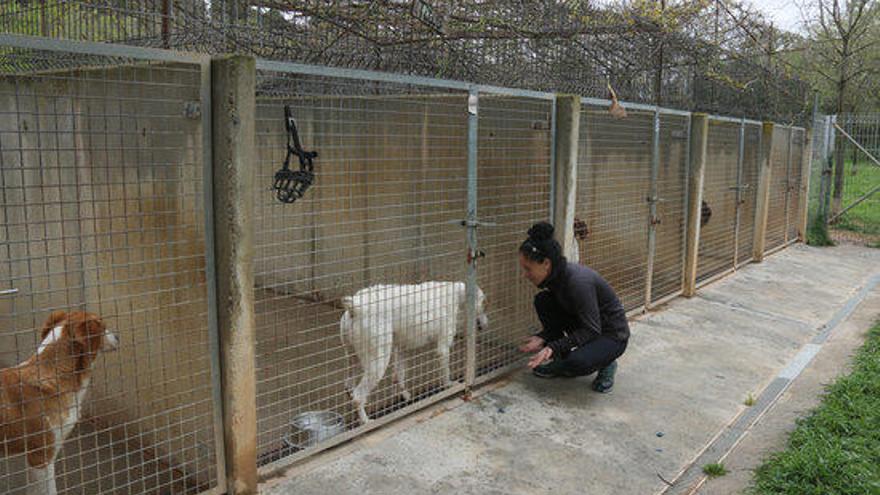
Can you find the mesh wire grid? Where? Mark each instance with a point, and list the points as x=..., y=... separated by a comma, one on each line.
x=748, y=197
x=101, y=175
x=513, y=191
x=716, y=249
x=780, y=161
x=671, y=187
x=818, y=154
x=861, y=174
x=614, y=175
x=391, y=183
x=795, y=174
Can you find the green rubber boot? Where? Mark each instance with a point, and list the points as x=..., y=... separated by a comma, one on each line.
x=604, y=381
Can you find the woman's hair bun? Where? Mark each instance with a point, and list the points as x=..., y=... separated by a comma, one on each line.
x=541, y=231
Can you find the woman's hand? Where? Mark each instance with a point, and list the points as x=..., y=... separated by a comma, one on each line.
x=545, y=354
x=532, y=344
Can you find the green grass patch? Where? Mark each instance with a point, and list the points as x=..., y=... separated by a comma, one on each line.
x=714, y=470
x=836, y=449
x=750, y=400
x=817, y=233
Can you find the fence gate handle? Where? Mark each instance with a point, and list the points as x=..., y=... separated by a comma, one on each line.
x=8, y=292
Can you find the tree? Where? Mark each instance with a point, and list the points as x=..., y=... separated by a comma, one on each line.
x=843, y=51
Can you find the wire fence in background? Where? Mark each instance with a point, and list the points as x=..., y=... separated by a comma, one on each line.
x=855, y=180
x=701, y=57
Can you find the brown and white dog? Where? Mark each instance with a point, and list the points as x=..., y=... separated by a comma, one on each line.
x=40, y=399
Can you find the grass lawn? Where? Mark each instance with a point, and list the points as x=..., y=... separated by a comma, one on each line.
x=836, y=449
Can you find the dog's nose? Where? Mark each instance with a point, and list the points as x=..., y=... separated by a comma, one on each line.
x=111, y=342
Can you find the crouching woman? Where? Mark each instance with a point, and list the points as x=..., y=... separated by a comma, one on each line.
x=585, y=328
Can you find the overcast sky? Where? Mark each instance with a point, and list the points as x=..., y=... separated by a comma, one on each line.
x=784, y=13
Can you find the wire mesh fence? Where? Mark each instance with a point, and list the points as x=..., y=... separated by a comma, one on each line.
x=671, y=205
x=718, y=209
x=391, y=182
x=795, y=174
x=614, y=180
x=361, y=285
x=780, y=162
x=748, y=192
x=857, y=174
x=513, y=192
x=569, y=47
x=820, y=167
x=104, y=210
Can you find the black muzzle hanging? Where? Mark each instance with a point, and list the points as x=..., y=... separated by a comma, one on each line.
x=291, y=185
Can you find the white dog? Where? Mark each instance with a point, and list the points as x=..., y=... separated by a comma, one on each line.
x=382, y=321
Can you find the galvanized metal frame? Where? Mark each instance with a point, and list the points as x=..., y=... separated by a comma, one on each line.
x=471, y=223
x=652, y=200
x=787, y=184
x=627, y=185
x=740, y=264
x=687, y=198
x=366, y=75
x=635, y=106
x=739, y=189
x=471, y=330
x=204, y=64
x=502, y=361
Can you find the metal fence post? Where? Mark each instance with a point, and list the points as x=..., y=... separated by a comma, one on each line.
x=568, y=117
x=827, y=168
x=653, y=198
x=762, y=206
x=806, y=172
x=740, y=152
x=234, y=112
x=471, y=331
x=698, y=150
x=787, y=183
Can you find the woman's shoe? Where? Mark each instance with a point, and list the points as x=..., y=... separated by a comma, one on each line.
x=604, y=381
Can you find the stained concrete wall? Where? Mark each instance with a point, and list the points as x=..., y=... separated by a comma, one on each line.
x=104, y=211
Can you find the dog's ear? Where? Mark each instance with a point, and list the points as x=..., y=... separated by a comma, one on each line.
x=52, y=321
x=89, y=332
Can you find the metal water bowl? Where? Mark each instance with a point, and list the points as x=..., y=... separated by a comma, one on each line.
x=313, y=427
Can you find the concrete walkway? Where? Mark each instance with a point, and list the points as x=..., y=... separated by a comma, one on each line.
x=683, y=379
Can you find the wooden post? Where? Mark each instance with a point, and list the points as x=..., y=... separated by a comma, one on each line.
x=699, y=141
x=568, y=118
x=762, y=207
x=233, y=111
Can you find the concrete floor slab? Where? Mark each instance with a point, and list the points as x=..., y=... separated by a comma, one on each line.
x=687, y=371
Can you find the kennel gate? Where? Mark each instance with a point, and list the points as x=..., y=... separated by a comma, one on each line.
x=785, y=186
x=404, y=166
x=105, y=159
x=729, y=195
x=632, y=199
